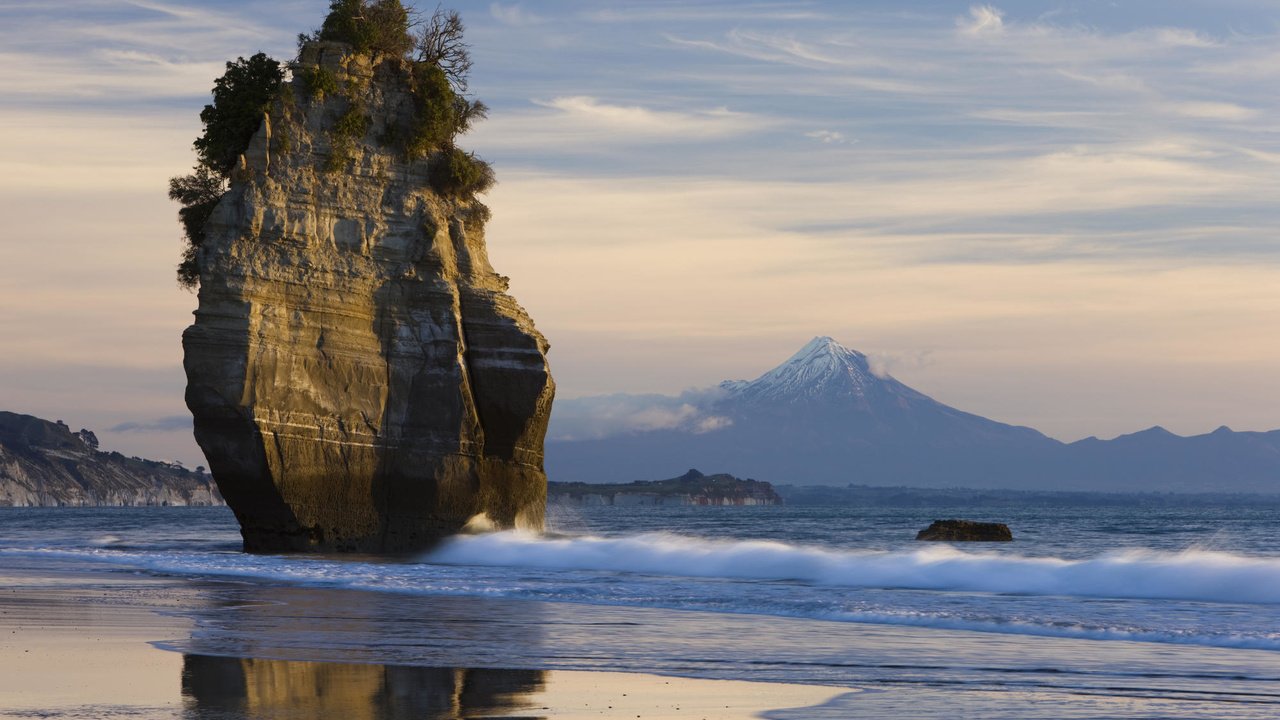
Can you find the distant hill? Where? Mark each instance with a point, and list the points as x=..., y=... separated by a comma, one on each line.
x=824, y=418
x=45, y=464
x=692, y=488
x=866, y=496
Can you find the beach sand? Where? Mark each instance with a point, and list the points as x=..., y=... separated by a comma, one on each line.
x=95, y=645
x=86, y=640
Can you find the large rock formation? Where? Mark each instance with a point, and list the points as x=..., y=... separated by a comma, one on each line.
x=360, y=379
x=45, y=464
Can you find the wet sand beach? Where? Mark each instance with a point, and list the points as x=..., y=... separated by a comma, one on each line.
x=101, y=645
x=120, y=614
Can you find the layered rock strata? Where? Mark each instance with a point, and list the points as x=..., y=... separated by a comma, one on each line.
x=359, y=377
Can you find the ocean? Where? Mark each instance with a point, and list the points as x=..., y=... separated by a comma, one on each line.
x=1090, y=612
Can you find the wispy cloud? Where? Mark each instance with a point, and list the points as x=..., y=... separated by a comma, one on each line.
x=828, y=137
x=611, y=415
x=587, y=124
x=716, y=122
x=1213, y=110
x=514, y=15
x=165, y=424
x=982, y=20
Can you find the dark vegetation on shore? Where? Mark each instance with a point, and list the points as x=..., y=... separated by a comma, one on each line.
x=693, y=484
x=431, y=50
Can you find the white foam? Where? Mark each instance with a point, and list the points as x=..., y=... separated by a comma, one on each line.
x=643, y=561
x=1190, y=575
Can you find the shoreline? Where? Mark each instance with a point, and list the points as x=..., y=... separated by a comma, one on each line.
x=226, y=648
x=94, y=643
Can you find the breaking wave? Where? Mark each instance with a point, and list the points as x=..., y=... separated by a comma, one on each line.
x=1141, y=574
x=1151, y=596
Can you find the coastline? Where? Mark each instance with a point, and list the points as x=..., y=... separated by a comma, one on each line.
x=84, y=642
x=219, y=635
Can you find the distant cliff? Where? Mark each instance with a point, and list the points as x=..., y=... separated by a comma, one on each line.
x=692, y=488
x=359, y=377
x=45, y=464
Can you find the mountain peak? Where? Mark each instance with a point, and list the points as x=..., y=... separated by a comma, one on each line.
x=822, y=368
x=824, y=344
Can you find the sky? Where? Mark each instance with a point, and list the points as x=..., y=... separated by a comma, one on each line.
x=1054, y=214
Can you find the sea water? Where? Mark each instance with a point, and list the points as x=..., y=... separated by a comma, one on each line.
x=1173, y=610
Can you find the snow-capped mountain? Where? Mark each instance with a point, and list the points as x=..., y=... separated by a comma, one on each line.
x=823, y=405
x=823, y=369
x=827, y=388
x=824, y=417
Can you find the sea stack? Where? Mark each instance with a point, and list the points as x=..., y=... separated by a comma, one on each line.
x=359, y=377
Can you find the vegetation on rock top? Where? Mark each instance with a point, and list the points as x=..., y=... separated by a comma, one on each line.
x=438, y=63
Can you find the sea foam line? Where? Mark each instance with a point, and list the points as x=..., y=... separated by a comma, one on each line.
x=1139, y=574
x=677, y=556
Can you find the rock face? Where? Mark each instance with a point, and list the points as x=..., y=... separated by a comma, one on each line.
x=44, y=464
x=965, y=531
x=359, y=378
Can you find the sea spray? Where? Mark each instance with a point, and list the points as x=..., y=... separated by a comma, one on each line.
x=1146, y=574
x=1194, y=597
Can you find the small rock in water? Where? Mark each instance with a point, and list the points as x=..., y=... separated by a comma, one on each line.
x=965, y=531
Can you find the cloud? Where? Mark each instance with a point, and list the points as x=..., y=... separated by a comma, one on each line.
x=983, y=20
x=514, y=15
x=611, y=415
x=172, y=423
x=830, y=137
x=711, y=424
x=643, y=121
x=883, y=364
x=1213, y=110
x=584, y=124
x=736, y=11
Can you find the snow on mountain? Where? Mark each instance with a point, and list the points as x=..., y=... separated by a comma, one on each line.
x=821, y=370
x=823, y=416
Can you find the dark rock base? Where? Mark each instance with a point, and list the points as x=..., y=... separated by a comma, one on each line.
x=965, y=531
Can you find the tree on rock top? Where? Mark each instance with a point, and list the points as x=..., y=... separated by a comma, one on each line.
x=381, y=26
x=240, y=97
x=441, y=62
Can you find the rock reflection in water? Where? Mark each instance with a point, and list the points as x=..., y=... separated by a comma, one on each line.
x=226, y=687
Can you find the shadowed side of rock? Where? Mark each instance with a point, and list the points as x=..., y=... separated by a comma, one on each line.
x=360, y=379
x=965, y=531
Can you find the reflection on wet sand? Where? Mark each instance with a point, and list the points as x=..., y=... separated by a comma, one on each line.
x=227, y=688
x=254, y=688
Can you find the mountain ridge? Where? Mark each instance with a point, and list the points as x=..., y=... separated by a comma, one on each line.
x=824, y=417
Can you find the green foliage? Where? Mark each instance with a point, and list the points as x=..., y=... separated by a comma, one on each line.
x=441, y=113
x=199, y=193
x=240, y=97
x=460, y=173
x=352, y=126
x=434, y=121
x=319, y=82
x=439, y=62
x=377, y=26
x=480, y=213
x=282, y=140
